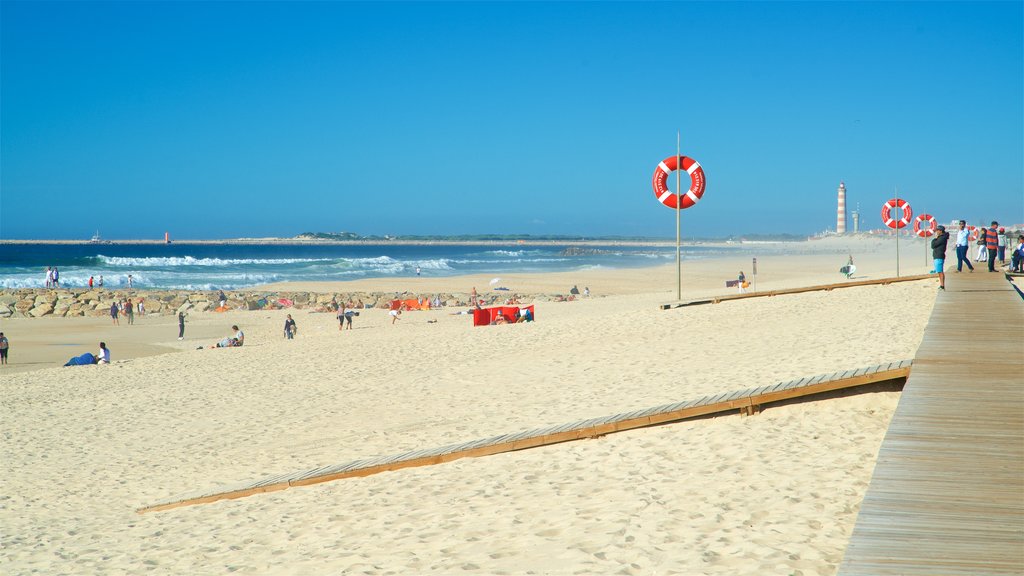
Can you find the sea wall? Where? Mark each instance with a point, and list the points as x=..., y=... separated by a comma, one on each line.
x=35, y=302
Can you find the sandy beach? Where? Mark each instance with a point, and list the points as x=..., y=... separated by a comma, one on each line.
x=775, y=493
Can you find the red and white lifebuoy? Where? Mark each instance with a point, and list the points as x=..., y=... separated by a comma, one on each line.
x=929, y=225
x=660, y=182
x=972, y=233
x=904, y=209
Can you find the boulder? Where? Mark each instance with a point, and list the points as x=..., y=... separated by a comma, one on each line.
x=41, y=310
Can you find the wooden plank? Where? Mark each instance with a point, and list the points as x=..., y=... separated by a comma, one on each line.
x=798, y=290
x=947, y=492
x=748, y=400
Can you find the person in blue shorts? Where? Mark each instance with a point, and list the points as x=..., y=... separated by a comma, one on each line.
x=939, y=254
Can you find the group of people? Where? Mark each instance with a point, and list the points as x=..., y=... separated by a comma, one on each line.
x=126, y=308
x=52, y=277
x=986, y=236
x=991, y=240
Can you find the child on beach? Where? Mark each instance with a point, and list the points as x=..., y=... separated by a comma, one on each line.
x=290, y=329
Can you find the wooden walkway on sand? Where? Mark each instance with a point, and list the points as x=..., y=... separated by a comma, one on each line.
x=747, y=402
x=798, y=290
x=947, y=494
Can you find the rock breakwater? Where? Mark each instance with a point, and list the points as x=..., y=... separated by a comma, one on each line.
x=36, y=303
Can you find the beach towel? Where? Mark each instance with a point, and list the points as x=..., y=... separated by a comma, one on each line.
x=82, y=360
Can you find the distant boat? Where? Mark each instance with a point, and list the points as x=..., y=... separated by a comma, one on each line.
x=97, y=240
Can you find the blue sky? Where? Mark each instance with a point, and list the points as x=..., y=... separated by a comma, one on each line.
x=228, y=119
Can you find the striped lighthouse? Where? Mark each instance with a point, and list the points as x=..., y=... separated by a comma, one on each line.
x=841, y=210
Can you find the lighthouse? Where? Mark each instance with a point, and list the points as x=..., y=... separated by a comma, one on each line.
x=841, y=210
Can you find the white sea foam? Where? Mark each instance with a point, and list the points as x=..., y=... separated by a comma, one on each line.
x=162, y=262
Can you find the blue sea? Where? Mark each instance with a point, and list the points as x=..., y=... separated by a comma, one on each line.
x=235, y=266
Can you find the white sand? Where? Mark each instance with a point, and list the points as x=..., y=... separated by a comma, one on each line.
x=776, y=493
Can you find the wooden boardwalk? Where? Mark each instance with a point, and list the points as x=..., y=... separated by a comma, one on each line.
x=798, y=290
x=947, y=494
x=747, y=401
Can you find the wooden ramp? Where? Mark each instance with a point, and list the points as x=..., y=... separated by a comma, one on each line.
x=747, y=401
x=816, y=288
x=947, y=494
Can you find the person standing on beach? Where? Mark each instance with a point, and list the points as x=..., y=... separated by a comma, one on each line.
x=56, y=278
x=129, y=310
x=740, y=280
x=417, y=270
x=49, y=277
x=90, y=282
x=4, y=346
x=289, y=328
x=130, y=280
x=223, y=299
x=341, y=316
x=475, y=298
x=101, y=281
x=181, y=325
x=939, y=244
x=963, y=239
x=113, y=313
x=992, y=244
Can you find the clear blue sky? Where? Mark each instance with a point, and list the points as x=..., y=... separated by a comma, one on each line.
x=216, y=120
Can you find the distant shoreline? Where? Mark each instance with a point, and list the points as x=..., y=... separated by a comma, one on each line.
x=299, y=242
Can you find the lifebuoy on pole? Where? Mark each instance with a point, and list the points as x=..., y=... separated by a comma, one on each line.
x=904, y=210
x=929, y=225
x=660, y=182
x=972, y=233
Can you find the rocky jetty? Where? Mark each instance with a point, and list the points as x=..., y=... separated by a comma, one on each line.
x=35, y=303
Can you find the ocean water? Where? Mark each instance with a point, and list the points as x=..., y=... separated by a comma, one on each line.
x=235, y=266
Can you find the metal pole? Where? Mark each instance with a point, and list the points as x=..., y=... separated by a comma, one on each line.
x=895, y=202
x=679, y=208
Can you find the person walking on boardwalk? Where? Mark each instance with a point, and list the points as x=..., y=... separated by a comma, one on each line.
x=939, y=254
x=963, y=244
x=992, y=244
x=982, y=246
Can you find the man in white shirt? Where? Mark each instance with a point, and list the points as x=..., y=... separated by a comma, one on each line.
x=963, y=240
